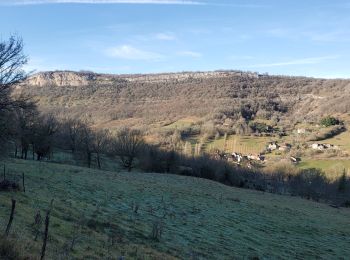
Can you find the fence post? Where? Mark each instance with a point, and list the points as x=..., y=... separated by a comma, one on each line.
x=47, y=222
x=11, y=217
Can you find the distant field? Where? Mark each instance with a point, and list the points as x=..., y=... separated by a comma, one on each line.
x=342, y=140
x=184, y=122
x=240, y=144
x=332, y=167
x=201, y=219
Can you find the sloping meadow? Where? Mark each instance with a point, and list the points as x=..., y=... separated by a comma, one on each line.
x=99, y=214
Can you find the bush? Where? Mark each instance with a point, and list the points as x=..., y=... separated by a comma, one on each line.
x=260, y=127
x=9, y=250
x=7, y=185
x=342, y=182
x=310, y=183
x=152, y=159
x=329, y=121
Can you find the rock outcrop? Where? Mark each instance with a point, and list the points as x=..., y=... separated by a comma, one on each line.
x=60, y=78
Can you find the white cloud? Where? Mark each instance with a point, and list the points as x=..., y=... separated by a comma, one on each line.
x=131, y=53
x=165, y=36
x=160, y=2
x=313, y=60
x=189, y=54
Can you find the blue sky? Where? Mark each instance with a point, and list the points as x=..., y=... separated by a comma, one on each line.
x=310, y=38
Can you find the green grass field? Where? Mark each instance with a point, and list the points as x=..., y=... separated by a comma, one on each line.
x=333, y=168
x=182, y=123
x=342, y=140
x=201, y=219
x=240, y=144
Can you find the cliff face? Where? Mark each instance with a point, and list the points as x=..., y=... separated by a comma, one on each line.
x=60, y=78
x=70, y=78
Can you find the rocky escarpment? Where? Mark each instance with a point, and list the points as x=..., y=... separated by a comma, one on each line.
x=70, y=78
x=60, y=78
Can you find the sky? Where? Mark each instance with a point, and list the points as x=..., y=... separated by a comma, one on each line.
x=284, y=37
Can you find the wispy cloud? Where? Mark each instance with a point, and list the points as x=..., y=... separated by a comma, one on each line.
x=312, y=34
x=129, y=52
x=338, y=35
x=304, y=61
x=191, y=54
x=165, y=36
x=159, y=2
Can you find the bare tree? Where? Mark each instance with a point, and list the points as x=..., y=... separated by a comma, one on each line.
x=24, y=127
x=12, y=60
x=127, y=146
x=86, y=144
x=99, y=144
x=72, y=130
x=43, y=141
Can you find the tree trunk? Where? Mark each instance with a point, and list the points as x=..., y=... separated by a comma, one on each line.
x=89, y=159
x=98, y=161
x=16, y=151
x=130, y=164
x=33, y=152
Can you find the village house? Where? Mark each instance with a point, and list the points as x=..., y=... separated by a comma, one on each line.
x=319, y=147
x=285, y=147
x=301, y=131
x=272, y=146
x=237, y=157
x=322, y=147
x=294, y=159
x=257, y=157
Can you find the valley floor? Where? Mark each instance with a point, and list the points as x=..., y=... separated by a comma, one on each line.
x=107, y=215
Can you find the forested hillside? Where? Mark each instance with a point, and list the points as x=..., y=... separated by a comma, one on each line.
x=221, y=97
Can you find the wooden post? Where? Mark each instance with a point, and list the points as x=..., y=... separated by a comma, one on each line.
x=11, y=217
x=47, y=222
x=46, y=233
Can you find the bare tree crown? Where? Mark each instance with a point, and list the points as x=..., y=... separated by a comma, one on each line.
x=12, y=60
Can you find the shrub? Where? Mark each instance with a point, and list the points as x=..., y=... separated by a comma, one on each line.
x=9, y=250
x=342, y=182
x=329, y=121
x=310, y=184
x=7, y=185
x=346, y=204
x=260, y=127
